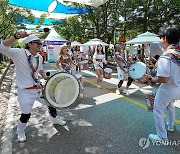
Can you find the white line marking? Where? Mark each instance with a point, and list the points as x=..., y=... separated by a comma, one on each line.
x=145, y=90
x=105, y=98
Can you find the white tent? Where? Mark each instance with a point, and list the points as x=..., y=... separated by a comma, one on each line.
x=156, y=49
x=93, y=42
x=145, y=38
x=54, y=36
x=75, y=43
x=53, y=43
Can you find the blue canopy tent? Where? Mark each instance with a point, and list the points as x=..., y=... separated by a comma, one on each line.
x=44, y=6
x=53, y=9
x=36, y=20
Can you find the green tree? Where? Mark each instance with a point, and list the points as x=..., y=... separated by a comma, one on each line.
x=100, y=23
x=8, y=18
x=139, y=16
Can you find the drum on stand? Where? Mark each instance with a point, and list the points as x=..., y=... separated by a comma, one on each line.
x=107, y=73
x=137, y=70
x=63, y=90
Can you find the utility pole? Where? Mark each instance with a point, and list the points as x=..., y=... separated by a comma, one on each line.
x=115, y=27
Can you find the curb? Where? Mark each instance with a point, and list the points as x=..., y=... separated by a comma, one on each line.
x=7, y=137
x=4, y=73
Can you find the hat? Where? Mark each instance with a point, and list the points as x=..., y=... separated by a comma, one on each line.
x=31, y=38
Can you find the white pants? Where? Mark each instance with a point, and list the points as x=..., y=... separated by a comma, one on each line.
x=164, y=100
x=26, y=99
x=121, y=74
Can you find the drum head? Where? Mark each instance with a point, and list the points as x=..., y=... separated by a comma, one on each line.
x=108, y=70
x=137, y=70
x=62, y=90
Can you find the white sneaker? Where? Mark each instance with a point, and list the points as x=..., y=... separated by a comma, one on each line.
x=170, y=128
x=57, y=121
x=154, y=137
x=125, y=92
x=117, y=92
x=21, y=136
x=99, y=86
x=81, y=95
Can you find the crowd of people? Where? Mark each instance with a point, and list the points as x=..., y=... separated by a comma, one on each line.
x=164, y=69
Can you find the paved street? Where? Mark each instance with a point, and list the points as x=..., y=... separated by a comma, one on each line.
x=104, y=123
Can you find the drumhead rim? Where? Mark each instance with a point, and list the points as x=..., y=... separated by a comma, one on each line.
x=76, y=93
x=134, y=64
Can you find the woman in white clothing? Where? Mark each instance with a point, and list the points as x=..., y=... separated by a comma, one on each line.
x=98, y=60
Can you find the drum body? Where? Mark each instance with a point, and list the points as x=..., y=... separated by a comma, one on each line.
x=137, y=70
x=107, y=73
x=83, y=65
x=63, y=90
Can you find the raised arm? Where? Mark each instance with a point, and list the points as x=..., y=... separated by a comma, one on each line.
x=12, y=39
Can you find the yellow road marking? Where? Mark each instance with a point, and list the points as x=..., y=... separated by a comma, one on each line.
x=177, y=121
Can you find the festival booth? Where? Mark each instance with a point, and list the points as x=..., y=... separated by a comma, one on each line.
x=53, y=43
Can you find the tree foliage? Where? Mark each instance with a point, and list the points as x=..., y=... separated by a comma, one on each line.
x=8, y=18
x=104, y=23
x=139, y=16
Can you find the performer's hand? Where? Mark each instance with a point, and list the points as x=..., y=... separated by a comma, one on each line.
x=148, y=77
x=47, y=78
x=21, y=34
